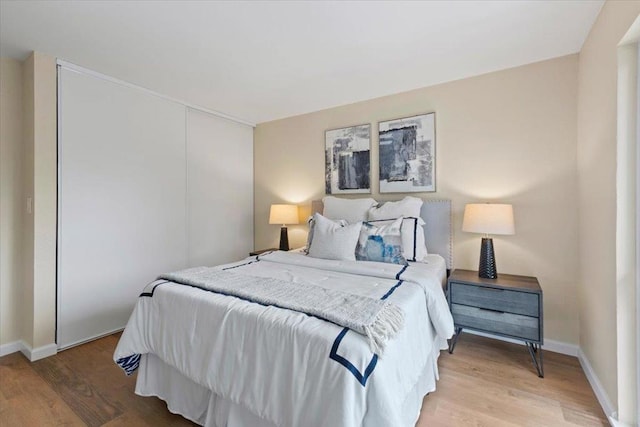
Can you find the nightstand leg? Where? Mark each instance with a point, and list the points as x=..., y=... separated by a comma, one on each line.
x=454, y=340
x=539, y=364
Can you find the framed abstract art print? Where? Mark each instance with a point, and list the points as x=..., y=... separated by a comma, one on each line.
x=347, y=160
x=407, y=149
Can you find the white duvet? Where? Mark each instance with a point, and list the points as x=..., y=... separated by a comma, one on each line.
x=288, y=367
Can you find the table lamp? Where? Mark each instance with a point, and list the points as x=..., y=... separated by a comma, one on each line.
x=283, y=214
x=488, y=218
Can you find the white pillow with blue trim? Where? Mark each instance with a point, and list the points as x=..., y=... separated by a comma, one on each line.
x=414, y=247
x=381, y=243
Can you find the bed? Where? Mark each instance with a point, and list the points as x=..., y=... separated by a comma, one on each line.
x=221, y=360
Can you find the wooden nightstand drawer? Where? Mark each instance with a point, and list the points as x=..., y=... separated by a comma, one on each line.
x=515, y=325
x=496, y=299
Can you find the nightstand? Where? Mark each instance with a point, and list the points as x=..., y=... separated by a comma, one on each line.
x=509, y=306
x=261, y=251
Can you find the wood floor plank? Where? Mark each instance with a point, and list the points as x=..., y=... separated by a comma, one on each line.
x=74, y=389
x=489, y=363
x=484, y=383
x=562, y=381
x=496, y=401
x=11, y=367
x=583, y=418
x=450, y=413
x=107, y=379
x=131, y=419
x=39, y=412
x=28, y=400
x=149, y=408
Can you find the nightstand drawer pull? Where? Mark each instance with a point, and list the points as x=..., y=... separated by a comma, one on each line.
x=491, y=310
x=508, y=301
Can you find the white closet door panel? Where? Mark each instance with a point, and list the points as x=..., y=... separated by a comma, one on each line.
x=122, y=192
x=220, y=189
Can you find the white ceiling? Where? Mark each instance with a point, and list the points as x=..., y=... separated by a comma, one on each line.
x=263, y=60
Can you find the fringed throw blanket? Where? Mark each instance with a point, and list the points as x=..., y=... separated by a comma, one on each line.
x=378, y=320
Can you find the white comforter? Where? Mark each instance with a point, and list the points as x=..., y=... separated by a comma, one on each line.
x=287, y=367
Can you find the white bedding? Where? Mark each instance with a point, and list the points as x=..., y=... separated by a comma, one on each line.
x=290, y=368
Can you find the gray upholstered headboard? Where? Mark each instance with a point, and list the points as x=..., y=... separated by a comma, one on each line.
x=438, y=230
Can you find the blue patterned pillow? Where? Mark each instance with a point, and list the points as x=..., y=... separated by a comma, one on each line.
x=381, y=243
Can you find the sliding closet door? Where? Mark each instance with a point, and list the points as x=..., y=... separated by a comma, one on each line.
x=220, y=189
x=121, y=202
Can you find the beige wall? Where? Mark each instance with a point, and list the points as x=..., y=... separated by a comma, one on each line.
x=508, y=136
x=44, y=200
x=39, y=180
x=626, y=231
x=11, y=199
x=27, y=236
x=597, y=99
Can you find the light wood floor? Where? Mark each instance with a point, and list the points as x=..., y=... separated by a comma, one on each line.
x=484, y=383
x=487, y=382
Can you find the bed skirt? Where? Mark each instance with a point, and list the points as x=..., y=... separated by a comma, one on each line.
x=198, y=404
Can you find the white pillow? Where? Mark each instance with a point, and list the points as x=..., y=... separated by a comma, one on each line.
x=407, y=207
x=332, y=241
x=414, y=247
x=351, y=210
x=311, y=223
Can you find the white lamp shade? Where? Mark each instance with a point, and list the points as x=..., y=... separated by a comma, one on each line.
x=488, y=218
x=283, y=214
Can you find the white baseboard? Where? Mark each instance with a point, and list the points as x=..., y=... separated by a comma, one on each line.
x=41, y=352
x=561, y=347
x=10, y=347
x=601, y=394
x=550, y=345
x=32, y=354
x=89, y=339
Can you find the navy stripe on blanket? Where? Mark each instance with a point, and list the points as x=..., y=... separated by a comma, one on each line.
x=361, y=377
x=150, y=294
